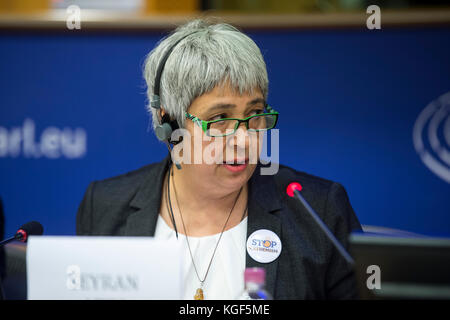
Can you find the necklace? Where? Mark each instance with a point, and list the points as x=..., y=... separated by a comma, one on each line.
x=199, y=294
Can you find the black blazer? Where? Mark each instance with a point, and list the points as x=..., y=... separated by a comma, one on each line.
x=309, y=267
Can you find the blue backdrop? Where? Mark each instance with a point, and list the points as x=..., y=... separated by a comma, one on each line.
x=72, y=110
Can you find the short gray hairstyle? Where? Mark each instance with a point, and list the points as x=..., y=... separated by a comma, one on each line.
x=210, y=55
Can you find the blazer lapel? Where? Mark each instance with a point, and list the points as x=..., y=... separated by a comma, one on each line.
x=263, y=203
x=147, y=200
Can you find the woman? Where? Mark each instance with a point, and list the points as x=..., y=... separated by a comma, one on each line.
x=210, y=80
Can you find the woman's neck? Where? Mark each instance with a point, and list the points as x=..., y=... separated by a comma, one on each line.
x=203, y=211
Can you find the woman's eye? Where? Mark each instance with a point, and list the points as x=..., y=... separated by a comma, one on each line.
x=258, y=111
x=217, y=117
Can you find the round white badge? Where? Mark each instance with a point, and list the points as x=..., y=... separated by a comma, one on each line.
x=263, y=246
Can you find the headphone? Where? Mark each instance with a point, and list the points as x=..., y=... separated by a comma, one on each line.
x=166, y=126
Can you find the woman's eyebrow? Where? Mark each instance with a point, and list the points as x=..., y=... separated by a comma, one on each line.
x=256, y=101
x=218, y=106
x=227, y=106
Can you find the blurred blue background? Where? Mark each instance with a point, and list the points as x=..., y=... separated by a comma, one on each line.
x=348, y=101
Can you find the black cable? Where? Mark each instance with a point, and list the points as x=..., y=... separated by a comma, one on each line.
x=170, y=202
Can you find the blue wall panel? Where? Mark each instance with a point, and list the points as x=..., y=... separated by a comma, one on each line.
x=348, y=101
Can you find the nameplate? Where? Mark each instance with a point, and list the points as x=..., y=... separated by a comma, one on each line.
x=78, y=268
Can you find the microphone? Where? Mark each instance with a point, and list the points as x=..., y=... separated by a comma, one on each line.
x=294, y=188
x=32, y=228
x=170, y=155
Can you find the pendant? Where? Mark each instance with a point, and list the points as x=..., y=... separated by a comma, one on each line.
x=199, y=294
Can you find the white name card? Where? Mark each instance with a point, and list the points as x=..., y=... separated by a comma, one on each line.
x=78, y=268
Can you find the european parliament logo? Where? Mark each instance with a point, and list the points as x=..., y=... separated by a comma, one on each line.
x=431, y=136
x=52, y=142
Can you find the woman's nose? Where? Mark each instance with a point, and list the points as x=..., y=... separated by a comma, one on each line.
x=240, y=138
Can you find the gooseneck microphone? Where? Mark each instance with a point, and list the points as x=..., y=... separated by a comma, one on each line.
x=32, y=228
x=294, y=188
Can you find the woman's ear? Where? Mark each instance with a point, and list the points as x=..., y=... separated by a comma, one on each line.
x=162, y=112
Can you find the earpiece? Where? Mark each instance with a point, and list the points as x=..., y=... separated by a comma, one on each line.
x=166, y=126
x=164, y=131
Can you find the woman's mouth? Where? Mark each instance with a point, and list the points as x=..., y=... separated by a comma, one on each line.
x=236, y=165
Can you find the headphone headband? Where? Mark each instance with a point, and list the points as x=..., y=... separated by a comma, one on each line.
x=155, y=100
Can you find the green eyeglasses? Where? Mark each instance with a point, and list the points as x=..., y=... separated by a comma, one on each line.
x=228, y=126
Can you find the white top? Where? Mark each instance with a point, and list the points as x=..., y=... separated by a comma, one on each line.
x=225, y=280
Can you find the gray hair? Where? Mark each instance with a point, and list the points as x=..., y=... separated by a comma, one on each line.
x=210, y=55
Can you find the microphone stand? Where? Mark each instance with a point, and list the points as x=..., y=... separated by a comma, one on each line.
x=17, y=236
x=324, y=228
